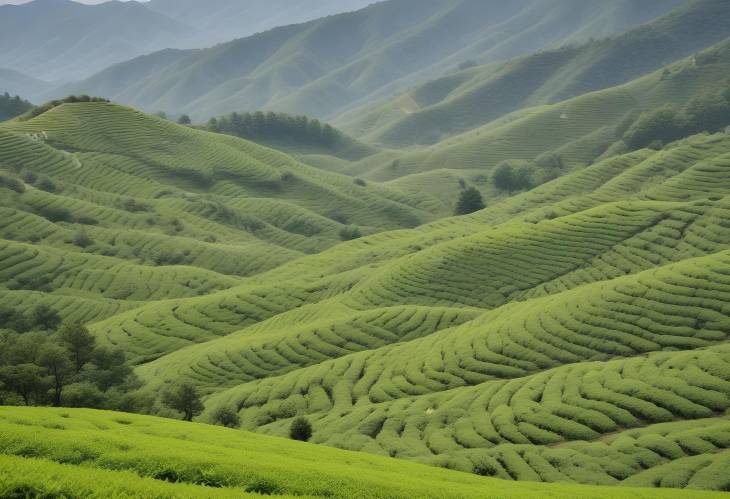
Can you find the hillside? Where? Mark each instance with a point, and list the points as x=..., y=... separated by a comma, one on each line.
x=262, y=289
x=218, y=21
x=430, y=344
x=384, y=47
x=601, y=358
x=476, y=96
x=62, y=40
x=580, y=131
x=97, y=198
x=298, y=135
x=83, y=452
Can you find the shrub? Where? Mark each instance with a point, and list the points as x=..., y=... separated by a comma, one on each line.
x=513, y=175
x=227, y=417
x=360, y=182
x=470, y=201
x=350, y=233
x=29, y=177
x=184, y=399
x=12, y=183
x=301, y=430
x=184, y=120
x=82, y=239
x=47, y=185
x=55, y=213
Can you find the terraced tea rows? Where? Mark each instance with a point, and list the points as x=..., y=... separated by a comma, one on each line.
x=105, y=453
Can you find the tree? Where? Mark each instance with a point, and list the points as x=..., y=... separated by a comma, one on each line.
x=301, y=429
x=111, y=368
x=60, y=368
x=513, y=175
x=184, y=120
x=708, y=113
x=470, y=200
x=185, y=399
x=227, y=417
x=26, y=380
x=79, y=342
x=45, y=317
x=350, y=233
x=662, y=124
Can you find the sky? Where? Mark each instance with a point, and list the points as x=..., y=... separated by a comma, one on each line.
x=17, y=2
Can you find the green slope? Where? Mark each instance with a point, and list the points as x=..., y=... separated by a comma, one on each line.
x=112, y=453
x=471, y=98
x=382, y=48
x=98, y=198
x=438, y=344
x=581, y=130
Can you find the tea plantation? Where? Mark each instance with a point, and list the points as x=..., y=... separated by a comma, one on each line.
x=58, y=452
x=574, y=334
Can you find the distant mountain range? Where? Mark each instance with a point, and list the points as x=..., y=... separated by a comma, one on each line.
x=62, y=40
x=381, y=49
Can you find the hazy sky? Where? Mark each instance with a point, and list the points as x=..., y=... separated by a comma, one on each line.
x=16, y=2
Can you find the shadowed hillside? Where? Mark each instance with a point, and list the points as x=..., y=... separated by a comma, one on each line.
x=295, y=69
x=471, y=98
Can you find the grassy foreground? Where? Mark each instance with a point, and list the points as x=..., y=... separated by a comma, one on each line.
x=86, y=453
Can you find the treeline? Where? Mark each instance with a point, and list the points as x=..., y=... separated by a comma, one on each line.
x=71, y=99
x=12, y=106
x=276, y=127
x=706, y=113
x=44, y=362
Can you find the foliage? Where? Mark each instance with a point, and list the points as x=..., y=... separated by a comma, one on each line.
x=350, y=233
x=87, y=442
x=512, y=175
x=301, y=429
x=470, y=201
x=227, y=417
x=185, y=399
x=276, y=127
x=704, y=113
x=10, y=107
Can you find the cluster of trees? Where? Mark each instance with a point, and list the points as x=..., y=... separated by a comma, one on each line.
x=517, y=175
x=276, y=127
x=706, y=113
x=10, y=107
x=71, y=99
x=62, y=367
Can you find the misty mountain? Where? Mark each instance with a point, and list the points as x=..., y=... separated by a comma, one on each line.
x=379, y=50
x=63, y=40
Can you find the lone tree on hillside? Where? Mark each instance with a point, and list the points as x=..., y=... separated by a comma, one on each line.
x=184, y=120
x=470, y=201
x=185, y=399
x=301, y=429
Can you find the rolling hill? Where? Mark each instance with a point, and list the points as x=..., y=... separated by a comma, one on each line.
x=94, y=453
x=600, y=358
x=456, y=103
x=606, y=345
x=571, y=339
x=385, y=47
x=98, y=197
x=580, y=131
